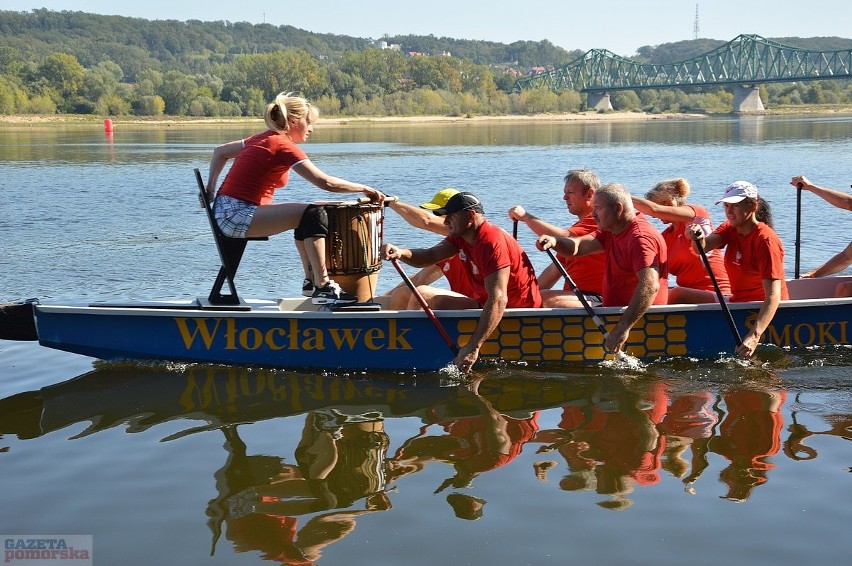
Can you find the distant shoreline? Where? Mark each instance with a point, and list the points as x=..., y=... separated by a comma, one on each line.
x=12, y=121
x=87, y=119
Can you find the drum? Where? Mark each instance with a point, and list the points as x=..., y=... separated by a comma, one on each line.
x=353, y=246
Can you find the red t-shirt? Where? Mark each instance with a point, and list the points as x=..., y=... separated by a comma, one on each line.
x=493, y=250
x=262, y=166
x=638, y=246
x=749, y=436
x=456, y=274
x=587, y=271
x=684, y=261
x=475, y=454
x=620, y=439
x=752, y=258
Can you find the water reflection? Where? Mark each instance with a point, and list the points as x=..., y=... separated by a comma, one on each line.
x=795, y=446
x=623, y=439
x=749, y=129
x=471, y=443
x=614, y=434
x=339, y=462
x=171, y=142
x=610, y=441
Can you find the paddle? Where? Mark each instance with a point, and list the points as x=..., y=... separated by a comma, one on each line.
x=734, y=332
x=425, y=305
x=577, y=292
x=515, y=230
x=799, y=187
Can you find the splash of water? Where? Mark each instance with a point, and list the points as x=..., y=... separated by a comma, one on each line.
x=624, y=361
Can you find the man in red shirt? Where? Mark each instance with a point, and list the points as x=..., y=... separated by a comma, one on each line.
x=636, y=263
x=586, y=271
x=400, y=297
x=501, y=272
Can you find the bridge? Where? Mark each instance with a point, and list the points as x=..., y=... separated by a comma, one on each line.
x=744, y=63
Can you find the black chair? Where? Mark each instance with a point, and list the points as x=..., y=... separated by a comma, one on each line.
x=230, y=253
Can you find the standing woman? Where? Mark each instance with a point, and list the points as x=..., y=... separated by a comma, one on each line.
x=754, y=256
x=243, y=205
x=667, y=201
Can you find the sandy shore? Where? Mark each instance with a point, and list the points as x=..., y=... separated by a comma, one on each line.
x=573, y=117
x=588, y=116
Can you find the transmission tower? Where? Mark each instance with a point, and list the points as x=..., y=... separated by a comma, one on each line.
x=695, y=25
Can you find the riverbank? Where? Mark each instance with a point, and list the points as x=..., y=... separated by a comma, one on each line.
x=33, y=120
x=81, y=119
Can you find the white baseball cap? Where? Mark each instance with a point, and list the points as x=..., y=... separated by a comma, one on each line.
x=737, y=191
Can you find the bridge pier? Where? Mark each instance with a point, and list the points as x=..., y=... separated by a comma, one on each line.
x=747, y=99
x=599, y=101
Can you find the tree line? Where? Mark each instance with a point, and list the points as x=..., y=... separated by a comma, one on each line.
x=73, y=62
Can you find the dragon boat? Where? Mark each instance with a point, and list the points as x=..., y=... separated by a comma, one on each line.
x=223, y=328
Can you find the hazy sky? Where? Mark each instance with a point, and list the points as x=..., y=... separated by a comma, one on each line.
x=621, y=26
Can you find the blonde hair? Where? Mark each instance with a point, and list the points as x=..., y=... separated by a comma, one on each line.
x=674, y=189
x=286, y=107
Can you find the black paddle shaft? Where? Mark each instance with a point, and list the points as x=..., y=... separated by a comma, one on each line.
x=441, y=330
x=734, y=332
x=799, y=187
x=577, y=292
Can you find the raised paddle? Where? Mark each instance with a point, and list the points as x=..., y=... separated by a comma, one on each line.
x=577, y=292
x=425, y=305
x=734, y=332
x=799, y=187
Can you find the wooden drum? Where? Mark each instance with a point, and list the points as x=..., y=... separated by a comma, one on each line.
x=353, y=246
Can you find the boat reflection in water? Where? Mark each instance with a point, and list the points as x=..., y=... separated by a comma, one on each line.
x=615, y=433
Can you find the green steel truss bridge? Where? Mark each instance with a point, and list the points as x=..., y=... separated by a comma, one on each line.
x=744, y=62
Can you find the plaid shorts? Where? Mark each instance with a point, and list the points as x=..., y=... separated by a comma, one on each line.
x=593, y=299
x=233, y=215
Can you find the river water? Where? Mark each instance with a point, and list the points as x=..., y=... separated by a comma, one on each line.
x=679, y=461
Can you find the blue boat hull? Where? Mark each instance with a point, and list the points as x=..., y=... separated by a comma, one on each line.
x=407, y=340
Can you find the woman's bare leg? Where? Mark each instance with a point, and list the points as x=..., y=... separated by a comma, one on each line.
x=306, y=262
x=685, y=295
x=315, y=250
x=272, y=219
x=441, y=299
x=559, y=299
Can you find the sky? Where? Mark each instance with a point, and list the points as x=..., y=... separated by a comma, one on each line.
x=622, y=26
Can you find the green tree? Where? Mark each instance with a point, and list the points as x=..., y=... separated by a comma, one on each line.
x=13, y=99
x=569, y=101
x=290, y=71
x=476, y=79
x=60, y=76
x=626, y=101
x=112, y=105
x=329, y=105
x=536, y=101
x=424, y=72
x=150, y=105
x=381, y=70
x=40, y=104
x=251, y=100
x=101, y=80
x=177, y=92
x=10, y=60
x=152, y=76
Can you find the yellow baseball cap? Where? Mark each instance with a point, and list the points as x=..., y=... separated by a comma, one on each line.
x=440, y=199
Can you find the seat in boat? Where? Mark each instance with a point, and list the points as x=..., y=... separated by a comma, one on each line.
x=230, y=254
